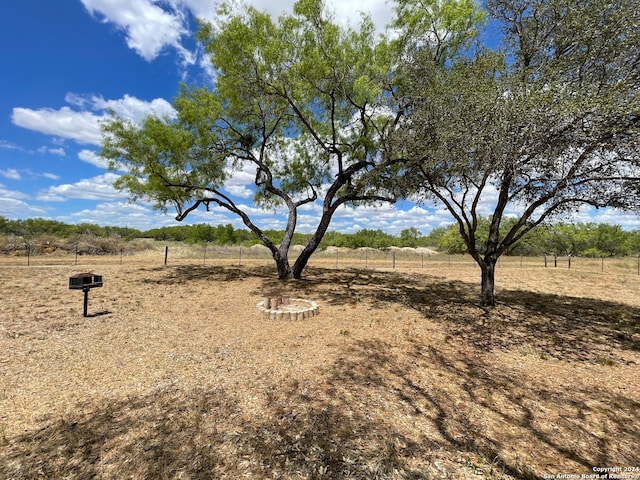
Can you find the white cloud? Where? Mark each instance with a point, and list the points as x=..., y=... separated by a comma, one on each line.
x=127, y=107
x=51, y=176
x=239, y=191
x=240, y=182
x=587, y=214
x=96, y=188
x=7, y=194
x=148, y=27
x=9, y=145
x=120, y=213
x=14, y=208
x=15, y=174
x=12, y=204
x=83, y=125
x=91, y=157
x=54, y=151
x=389, y=218
x=205, y=9
x=11, y=173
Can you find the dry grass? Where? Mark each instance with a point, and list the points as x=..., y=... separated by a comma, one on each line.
x=402, y=376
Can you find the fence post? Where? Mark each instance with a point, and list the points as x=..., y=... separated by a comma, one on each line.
x=76, y=253
x=555, y=261
x=422, y=260
x=366, y=259
x=204, y=256
x=336, y=258
x=393, y=256
x=121, y=250
x=240, y=258
x=545, y=260
x=166, y=254
x=569, y=261
x=602, y=266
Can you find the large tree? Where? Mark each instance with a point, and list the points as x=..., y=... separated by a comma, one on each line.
x=302, y=103
x=543, y=127
x=297, y=103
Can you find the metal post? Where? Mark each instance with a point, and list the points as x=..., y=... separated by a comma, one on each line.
x=166, y=254
x=76, y=253
x=121, y=250
x=555, y=261
x=86, y=300
x=28, y=255
x=602, y=266
x=393, y=255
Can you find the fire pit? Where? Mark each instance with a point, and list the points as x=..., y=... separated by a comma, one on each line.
x=85, y=282
x=284, y=307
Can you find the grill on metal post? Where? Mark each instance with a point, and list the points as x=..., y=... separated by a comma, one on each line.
x=85, y=282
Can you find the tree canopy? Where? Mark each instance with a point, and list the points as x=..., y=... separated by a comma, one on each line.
x=296, y=105
x=300, y=103
x=537, y=130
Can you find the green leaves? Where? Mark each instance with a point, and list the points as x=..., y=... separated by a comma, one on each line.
x=299, y=101
x=439, y=29
x=535, y=131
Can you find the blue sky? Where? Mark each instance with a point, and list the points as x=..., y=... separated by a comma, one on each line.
x=65, y=63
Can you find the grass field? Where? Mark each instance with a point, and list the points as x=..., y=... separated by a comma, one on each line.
x=403, y=375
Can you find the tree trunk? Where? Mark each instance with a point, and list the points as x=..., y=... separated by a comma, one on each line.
x=301, y=262
x=282, y=266
x=488, y=269
x=313, y=243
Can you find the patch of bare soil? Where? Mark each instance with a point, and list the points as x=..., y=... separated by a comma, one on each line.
x=402, y=375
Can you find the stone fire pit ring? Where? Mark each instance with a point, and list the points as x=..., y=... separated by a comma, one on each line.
x=284, y=307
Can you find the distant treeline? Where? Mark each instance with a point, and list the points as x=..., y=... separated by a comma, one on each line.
x=581, y=239
x=35, y=227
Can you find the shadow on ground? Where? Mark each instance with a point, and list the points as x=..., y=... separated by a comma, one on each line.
x=380, y=413
x=185, y=273
x=378, y=416
x=551, y=326
x=205, y=435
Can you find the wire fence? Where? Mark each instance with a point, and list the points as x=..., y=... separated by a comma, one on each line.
x=338, y=258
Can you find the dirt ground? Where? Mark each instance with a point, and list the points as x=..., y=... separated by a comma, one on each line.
x=174, y=374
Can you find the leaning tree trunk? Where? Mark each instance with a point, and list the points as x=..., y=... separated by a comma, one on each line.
x=302, y=260
x=487, y=289
x=313, y=243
